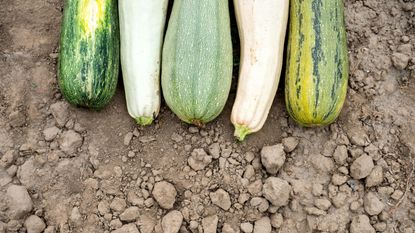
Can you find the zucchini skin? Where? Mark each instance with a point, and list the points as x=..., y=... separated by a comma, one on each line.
x=317, y=63
x=197, y=60
x=89, y=52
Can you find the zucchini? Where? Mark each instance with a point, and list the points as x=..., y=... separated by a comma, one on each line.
x=142, y=29
x=89, y=52
x=197, y=60
x=317, y=63
x=262, y=26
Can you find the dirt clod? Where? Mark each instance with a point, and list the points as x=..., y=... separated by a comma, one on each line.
x=165, y=194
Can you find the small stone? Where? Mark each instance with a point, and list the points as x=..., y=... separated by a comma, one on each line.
x=199, y=159
x=193, y=225
x=277, y=191
x=314, y=211
x=249, y=156
x=221, y=198
x=165, y=194
x=361, y=224
x=400, y=60
x=50, y=229
x=8, y=158
x=397, y=195
x=243, y=198
x=247, y=227
x=272, y=158
x=338, y=179
x=4, y=178
x=176, y=137
x=51, y=133
x=128, y=228
x=321, y=163
x=322, y=203
x=290, y=144
x=127, y=138
x=380, y=226
x=103, y=207
x=115, y=223
x=230, y=228
x=34, y=224
x=255, y=187
x=339, y=200
x=358, y=137
x=149, y=202
x=340, y=154
x=130, y=214
x=361, y=167
x=75, y=215
x=59, y=111
x=214, y=150
x=260, y=203
x=118, y=205
x=20, y=202
x=210, y=224
x=193, y=129
x=372, y=204
x=375, y=177
x=172, y=221
x=277, y=220
x=263, y=225
x=70, y=141
x=249, y=172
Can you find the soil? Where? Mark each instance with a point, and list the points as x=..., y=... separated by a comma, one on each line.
x=68, y=169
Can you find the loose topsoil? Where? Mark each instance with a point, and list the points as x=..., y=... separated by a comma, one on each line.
x=68, y=169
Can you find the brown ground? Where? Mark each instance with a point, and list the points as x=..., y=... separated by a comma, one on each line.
x=65, y=188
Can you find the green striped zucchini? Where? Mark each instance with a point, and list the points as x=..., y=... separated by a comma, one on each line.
x=197, y=60
x=89, y=52
x=317, y=63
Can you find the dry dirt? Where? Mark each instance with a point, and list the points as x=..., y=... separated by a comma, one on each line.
x=68, y=169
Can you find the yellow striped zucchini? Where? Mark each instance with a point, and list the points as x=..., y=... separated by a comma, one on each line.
x=317, y=64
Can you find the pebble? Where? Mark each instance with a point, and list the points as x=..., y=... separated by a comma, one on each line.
x=115, y=223
x=221, y=198
x=372, y=204
x=247, y=227
x=20, y=202
x=70, y=141
x=34, y=224
x=249, y=156
x=230, y=228
x=8, y=158
x=249, y=172
x=75, y=215
x=176, y=137
x=338, y=179
x=4, y=177
x=118, y=205
x=380, y=226
x=127, y=138
x=375, y=177
x=172, y=221
x=358, y=137
x=50, y=229
x=322, y=203
x=103, y=207
x=149, y=202
x=273, y=158
x=277, y=191
x=314, y=211
x=396, y=195
x=361, y=167
x=130, y=214
x=51, y=133
x=128, y=228
x=339, y=200
x=210, y=224
x=255, y=187
x=59, y=111
x=165, y=194
x=400, y=60
x=214, y=150
x=263, y=225
x=322, y=163
x=277, y=220
x=259, y=203
x=361, y=224
x=199, y=159
x=290, y=144
x=340, y=154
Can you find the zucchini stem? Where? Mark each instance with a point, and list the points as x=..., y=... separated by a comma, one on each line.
x=144, y=121
x=241, y=131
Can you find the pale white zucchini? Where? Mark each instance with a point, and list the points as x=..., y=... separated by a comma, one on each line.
x=142, y=27
x=262, y=25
